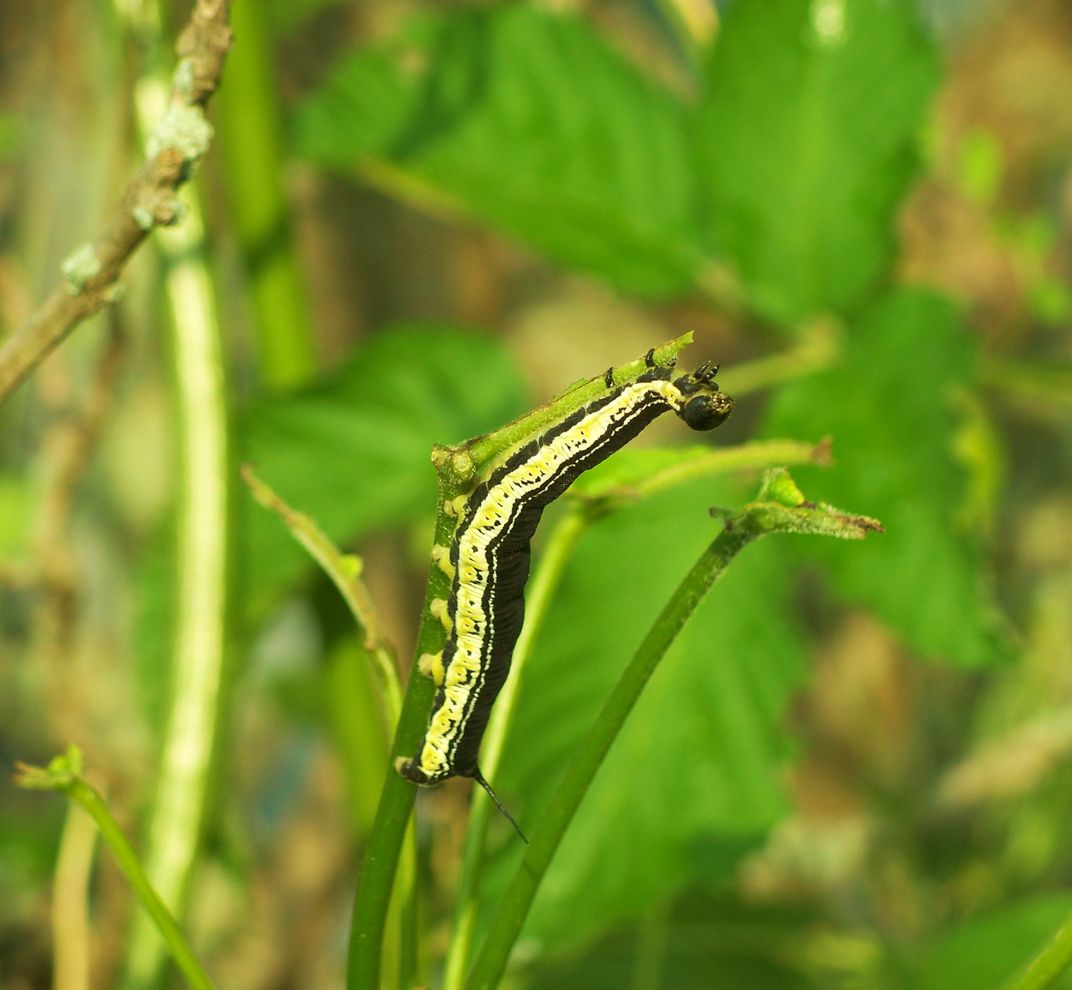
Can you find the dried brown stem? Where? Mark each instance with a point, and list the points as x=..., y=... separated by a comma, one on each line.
x=149, y=199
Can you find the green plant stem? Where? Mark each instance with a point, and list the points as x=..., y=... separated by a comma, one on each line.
x=252, y=155
x=559, y=548
x=817, y=349
x=189, y=738
x=514, y=908
x=560, y=544
x=1043, y=389
x=405, y=897
x=726, y=460
x=344, y=570
x=582, y=511
x=64, y=774
x=780, y=507
x=1044, y=969
x=629, y=479
x=128, y=862
x=200, y=632
x=353, y=701
x=456, y=467
x=373, y=897
x=70, y=901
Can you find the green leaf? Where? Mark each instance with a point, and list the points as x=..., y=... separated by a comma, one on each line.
x=13, y=134
x=17, y=503
x=890, y=409
x=286, y=16
x=807, y=142
x=693, y=781
x=983, y=951
x=354, y=452
x=697, y=942
x=530, y=122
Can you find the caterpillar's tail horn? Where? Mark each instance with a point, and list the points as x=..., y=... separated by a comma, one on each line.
x=480, y=779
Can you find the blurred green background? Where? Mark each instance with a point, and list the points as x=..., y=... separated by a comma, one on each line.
x=423, y=218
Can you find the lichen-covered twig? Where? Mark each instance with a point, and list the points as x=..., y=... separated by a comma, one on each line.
x=91, y=271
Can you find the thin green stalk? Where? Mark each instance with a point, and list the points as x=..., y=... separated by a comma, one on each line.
x=592, y=500
x=352, y=727
x=779, y=507
x=344, y=570
x=1042, y=388
x=63, y=774
x=252, y=154
x=727, y=460
x=817, y=349
x=182, y=782
x=514, y=908
x=373, y=897
x=70, y=902
x=560, y=546
x=405, y=897
x=353, y=700
x=1044, y=969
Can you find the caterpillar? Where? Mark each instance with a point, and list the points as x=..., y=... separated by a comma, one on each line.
x=488, y=559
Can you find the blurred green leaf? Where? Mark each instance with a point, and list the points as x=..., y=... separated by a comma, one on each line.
x=985, y=950
x=695, y=944
x=693, y=782
x=285, y=16
x=889, y=407
x=807, y=141
x=13, y=132
x=980, y=166
x=17, y=505
x=528, y=121
x=354, y=452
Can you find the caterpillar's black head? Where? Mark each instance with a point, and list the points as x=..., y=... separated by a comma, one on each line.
x=704, y=406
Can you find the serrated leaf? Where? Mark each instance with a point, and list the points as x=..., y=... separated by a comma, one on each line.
x=889, y=407
x=529, y=121
x=806, y=136
x=693, y=781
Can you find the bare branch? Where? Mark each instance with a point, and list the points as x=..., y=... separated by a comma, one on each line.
x=91, y=271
